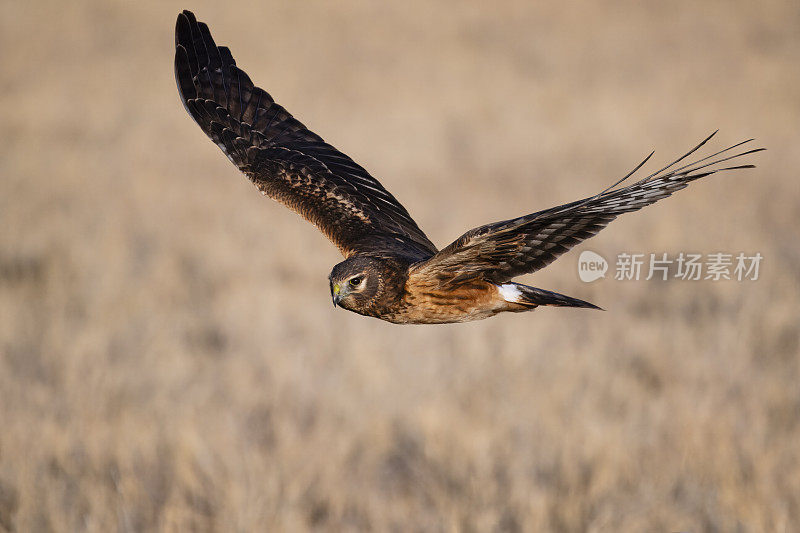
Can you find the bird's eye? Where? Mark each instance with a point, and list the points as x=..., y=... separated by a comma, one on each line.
x=356, y=281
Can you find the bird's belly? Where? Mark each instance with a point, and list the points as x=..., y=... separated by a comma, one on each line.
x=422, y=305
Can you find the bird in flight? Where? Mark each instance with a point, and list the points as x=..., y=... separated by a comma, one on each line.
x=391, y=269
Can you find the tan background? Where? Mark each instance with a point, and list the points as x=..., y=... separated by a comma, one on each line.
x=169, y=356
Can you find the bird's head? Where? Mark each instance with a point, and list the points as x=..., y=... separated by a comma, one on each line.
x=359, y=284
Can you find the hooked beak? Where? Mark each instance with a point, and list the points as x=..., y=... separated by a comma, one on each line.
x=336, y=290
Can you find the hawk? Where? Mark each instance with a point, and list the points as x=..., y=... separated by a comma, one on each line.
x=391, y=269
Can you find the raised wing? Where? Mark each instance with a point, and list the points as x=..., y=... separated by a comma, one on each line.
x=500, y=251
x=282, y=157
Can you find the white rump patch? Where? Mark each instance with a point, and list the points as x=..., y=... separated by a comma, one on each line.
x=510, y=292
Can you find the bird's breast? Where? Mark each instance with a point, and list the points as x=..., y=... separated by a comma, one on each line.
x=432, y=303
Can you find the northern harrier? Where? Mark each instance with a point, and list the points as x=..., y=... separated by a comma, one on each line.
x=391, y=270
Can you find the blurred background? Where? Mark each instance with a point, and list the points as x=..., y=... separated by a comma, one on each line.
x=169, y=355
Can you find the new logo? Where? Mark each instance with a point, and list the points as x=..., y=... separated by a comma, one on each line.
x=591, y=266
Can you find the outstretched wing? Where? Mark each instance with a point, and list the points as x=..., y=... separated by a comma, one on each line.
x=500, y=251
x=282, y=157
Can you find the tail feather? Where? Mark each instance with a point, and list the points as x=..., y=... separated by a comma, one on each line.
x=534, y=297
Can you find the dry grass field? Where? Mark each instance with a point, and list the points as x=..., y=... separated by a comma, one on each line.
x=169, y=356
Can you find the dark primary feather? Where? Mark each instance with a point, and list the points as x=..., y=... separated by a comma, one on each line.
x=500, y=251
x=282, y=157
